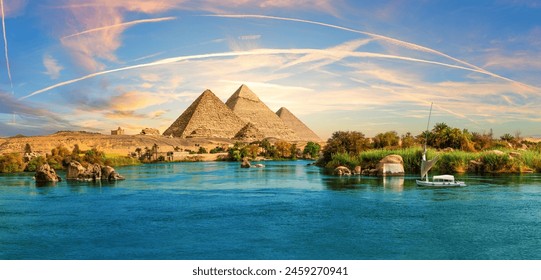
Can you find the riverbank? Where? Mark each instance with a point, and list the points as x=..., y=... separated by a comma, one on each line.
x=449, y=161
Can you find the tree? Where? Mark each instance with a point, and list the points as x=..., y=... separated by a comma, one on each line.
x=311, y=149
x=27, y=149
x=408, y=140
x=283, y=148
x=350, y=142
x=387, y=139
x=202, y=150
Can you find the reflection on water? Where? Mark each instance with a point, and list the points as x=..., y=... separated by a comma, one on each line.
x=393, y=183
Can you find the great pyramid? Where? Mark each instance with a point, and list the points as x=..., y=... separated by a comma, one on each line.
x=302, y=131
x=206, y=117
x=250, y=109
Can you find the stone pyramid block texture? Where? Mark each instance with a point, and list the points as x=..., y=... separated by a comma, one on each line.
x=249, y=108
x=206, y=117
x=303, y=132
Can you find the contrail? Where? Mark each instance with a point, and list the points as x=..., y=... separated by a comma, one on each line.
x=246, y=53
x=129, y=23
x=6, y=44
x=382, y=37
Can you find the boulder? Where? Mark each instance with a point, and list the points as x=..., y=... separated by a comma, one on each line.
x=357, y=170
x=259, y=165
x=150, y=131
x=391, y=165
x=342, y=170
x=45, y=174
x=245, y=163
x=109, y=173
x=74, y=170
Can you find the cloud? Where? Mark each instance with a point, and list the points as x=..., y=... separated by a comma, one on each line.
x=31, y=117
x=134, y=100
x=5, y=43
x=14, y=8
x=52, y=67
x=249, y=37
x=123, y=24
x=255, y=52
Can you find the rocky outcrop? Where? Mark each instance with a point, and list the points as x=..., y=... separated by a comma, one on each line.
x=342, y=170
x=357, y=170
x=391, y=165
x=93, y=172
x=150, y=131
x=45, y=174
x=74, y=170
x=109, y=173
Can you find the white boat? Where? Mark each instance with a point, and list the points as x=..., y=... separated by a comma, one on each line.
x=441, y=181
x=426, y=165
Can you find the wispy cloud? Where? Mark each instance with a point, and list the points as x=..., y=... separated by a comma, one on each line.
x=401, y=43
x=123, y=24
x=6, y=44
x=52, y=67
x=248, y=53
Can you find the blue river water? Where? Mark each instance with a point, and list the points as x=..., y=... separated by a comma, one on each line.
x=287, y=210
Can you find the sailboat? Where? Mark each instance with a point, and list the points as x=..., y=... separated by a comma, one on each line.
x=426, y=165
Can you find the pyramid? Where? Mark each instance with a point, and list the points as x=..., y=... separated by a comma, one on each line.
x=206, y=117
x=250, y=109
x=249, y=133
x=303, y=132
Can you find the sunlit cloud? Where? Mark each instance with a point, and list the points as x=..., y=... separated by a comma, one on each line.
x=401, y=43
x=52, y=67
x=250, y=53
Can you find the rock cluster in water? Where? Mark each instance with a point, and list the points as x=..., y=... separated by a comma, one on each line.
x=94, y=172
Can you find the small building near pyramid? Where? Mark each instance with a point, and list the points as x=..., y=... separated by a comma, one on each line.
x=118, y=131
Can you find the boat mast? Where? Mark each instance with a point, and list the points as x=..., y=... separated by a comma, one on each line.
x=426, y=138
x=426, y=131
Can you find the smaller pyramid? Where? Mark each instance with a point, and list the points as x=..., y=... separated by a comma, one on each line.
x=250, y=109
x=303, y=132
x=206, y=117
x=249, y=133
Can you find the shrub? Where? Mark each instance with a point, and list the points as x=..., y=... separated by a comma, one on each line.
x=11, y=163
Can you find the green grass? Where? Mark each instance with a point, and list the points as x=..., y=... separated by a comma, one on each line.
x=118, y=160
x=448, y=162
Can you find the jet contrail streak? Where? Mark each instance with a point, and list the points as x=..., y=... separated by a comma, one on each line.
x=6, y=44
x=129, y=23
x=252, y=52
x=382, y=37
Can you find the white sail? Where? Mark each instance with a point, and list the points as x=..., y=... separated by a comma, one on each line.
x=426, y=165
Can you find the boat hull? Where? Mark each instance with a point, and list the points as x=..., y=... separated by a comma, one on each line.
x=422, y=183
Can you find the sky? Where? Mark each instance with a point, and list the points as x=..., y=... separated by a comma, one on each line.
x=369, y=66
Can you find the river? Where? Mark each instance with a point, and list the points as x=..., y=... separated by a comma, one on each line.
x=287, y=210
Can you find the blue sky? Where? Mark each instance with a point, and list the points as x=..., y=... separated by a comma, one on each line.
x=370, y=66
